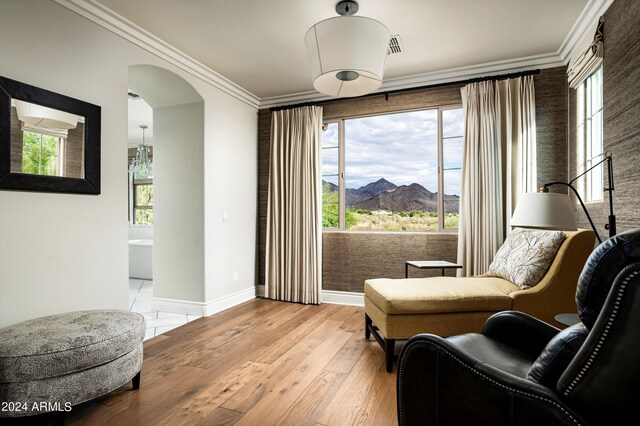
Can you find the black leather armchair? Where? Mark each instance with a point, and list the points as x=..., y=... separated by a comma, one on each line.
x=522, y=371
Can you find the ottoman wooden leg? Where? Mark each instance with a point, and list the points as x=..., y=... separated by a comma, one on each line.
x=136, y=381
x=367, y=326
x=389, y=352
x=57, y=418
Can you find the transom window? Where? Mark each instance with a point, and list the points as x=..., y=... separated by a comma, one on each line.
x=393, y=172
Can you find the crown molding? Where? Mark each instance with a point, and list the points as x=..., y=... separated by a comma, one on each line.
x=548, y=60
x=592, y=11
x=131, y=32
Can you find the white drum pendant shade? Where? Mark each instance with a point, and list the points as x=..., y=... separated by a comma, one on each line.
x=343, y=44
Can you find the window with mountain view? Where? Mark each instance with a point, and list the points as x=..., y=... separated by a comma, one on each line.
x=386, y=172
x=330, y=179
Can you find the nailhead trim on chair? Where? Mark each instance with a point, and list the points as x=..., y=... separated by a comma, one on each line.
x=603, y=337
x=473, y=370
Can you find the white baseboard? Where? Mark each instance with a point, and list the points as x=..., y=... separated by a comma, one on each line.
x=331, y=296
x=229, y=301
x=203, y=308
x=342, y=298
x=178, y=306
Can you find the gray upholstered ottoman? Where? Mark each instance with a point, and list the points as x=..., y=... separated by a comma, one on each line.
x=55, y=362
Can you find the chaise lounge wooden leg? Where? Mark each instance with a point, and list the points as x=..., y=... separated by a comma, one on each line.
x=136, y=381
x=367, y=326
x=389, y=353
x=388, y=345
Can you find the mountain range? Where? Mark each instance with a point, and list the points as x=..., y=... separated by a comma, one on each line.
x=384, y=195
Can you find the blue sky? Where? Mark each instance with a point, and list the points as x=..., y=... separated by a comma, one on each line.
x=402, y=148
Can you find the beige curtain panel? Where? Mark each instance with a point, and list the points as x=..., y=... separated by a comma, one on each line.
x=588, y=58
x=499, y=164
x=518, y=141
x=294, y=224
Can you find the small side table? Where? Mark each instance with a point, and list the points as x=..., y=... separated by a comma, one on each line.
x=567, y=319
x=429, y=264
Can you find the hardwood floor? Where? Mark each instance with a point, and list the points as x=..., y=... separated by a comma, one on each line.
x=262, y=362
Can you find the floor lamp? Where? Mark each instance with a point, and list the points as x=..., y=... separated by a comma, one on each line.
x=549, y=210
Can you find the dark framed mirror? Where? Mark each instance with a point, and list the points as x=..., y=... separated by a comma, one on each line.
x=48, y=141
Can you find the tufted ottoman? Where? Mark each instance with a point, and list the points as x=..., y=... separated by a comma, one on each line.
x=55, y=362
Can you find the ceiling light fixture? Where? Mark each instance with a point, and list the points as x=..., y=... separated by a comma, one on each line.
x=347, y=54
x=141, y=166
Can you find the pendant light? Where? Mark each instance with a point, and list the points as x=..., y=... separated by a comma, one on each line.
x=141, y=166
x=347, y=54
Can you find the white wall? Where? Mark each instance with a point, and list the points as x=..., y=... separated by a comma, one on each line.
x=178, y=198
x=141, y=232
x=230, y=164
x=68, y=252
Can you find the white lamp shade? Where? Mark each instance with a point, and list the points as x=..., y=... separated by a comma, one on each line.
x=347, y=43
x=545, y=210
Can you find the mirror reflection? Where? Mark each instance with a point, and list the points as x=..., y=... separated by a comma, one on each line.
x=46, y=141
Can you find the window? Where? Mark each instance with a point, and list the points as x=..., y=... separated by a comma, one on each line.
x=451, y=149
x=41, y=154
x=143, y=202
x=590, y=135
x=330, y=176
x=393, y=172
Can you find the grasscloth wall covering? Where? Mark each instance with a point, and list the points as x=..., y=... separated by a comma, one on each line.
x=74, y=151
x=621, y=72
x=349, y=258
x=16, y=141
x=551, y=126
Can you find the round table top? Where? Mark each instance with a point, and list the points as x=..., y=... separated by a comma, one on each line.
x=567, y=319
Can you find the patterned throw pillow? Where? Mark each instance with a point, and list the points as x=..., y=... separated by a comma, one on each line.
x=526, y=255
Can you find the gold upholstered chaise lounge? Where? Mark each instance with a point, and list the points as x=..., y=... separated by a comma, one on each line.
x=401, y=308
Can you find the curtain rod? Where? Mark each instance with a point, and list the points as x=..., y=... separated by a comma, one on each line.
x=411, y=89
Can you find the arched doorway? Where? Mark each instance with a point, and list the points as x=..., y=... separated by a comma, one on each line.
x=178, y=188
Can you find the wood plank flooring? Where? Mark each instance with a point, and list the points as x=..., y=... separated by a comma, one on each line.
x=259, y=363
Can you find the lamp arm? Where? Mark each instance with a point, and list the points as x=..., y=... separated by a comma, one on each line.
x=611, y=223
x=606, y=158
x=593, y=226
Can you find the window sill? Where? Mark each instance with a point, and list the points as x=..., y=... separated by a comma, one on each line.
x=340, y=231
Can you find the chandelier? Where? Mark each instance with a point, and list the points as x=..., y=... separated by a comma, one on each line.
x=347, y=54
x=141, y=166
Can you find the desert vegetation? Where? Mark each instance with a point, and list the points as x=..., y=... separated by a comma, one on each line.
x=381, y=220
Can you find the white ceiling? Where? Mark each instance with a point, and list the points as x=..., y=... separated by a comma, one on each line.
x=259, y=44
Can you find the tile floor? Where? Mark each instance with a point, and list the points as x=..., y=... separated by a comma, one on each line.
x=158, y=322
